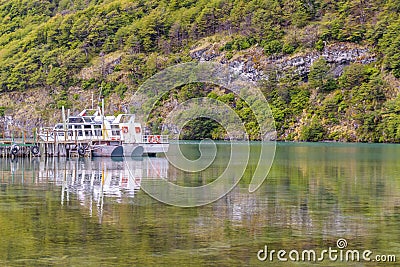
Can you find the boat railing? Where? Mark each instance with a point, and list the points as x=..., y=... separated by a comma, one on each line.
x=155, y=139
x=48, y=134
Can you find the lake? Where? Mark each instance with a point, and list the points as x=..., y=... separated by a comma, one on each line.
x=94, y=212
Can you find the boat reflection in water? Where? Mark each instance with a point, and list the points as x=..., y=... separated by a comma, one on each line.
x=90, y=181
x=97, y=184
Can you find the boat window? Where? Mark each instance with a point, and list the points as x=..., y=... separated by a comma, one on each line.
x=87, y=119
x=115, y=132
x=80, y=133
x=115, y=129
x=88, y=132
x=97, y=130
x=87, y=126
x=59, y=126
x=75, y=120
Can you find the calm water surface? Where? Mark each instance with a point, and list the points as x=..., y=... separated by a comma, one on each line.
x=83, y=212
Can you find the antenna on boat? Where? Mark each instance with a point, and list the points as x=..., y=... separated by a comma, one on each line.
x=92, y=100
x=68, y=114
x=63, y=117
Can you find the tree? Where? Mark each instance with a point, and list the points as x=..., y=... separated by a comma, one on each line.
x=320, y=77
x=353, y=75
x=392, y=59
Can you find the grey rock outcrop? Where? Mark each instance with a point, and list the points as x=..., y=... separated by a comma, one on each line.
x=252, y=64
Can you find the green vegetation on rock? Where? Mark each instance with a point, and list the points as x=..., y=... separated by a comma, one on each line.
x=110, y=47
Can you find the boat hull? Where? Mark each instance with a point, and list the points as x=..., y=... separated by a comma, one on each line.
x=125, y=150
x=151, y=148
x=107, y=151
x=132, y=150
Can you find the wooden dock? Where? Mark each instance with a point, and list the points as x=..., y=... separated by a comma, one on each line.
x=21, y=145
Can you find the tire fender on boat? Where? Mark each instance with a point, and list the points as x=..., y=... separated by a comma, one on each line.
x=35, y=150
x=81, y=151
x=14, y=150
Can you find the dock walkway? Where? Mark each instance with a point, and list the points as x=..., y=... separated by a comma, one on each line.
x=20, y=145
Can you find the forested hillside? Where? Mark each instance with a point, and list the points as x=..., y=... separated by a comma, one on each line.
x=329, y=69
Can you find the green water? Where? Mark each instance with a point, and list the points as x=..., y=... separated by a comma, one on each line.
x=90, y=213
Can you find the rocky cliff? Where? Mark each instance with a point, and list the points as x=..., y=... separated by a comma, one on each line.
x=253, y=64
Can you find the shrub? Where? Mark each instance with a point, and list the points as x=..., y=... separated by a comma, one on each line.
x=273, y=47
x=313, y=132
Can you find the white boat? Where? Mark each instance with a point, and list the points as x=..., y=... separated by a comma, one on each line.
x=109, y=136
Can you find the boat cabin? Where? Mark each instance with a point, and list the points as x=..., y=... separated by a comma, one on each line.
x=97, y=128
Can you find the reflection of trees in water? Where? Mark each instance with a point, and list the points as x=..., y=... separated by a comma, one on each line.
x=318, y=191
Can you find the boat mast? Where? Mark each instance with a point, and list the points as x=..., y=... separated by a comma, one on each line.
x=68, y=114
x=63, y=118
x=102, y=119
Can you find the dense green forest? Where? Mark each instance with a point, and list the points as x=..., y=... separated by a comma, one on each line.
x=110, y=47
